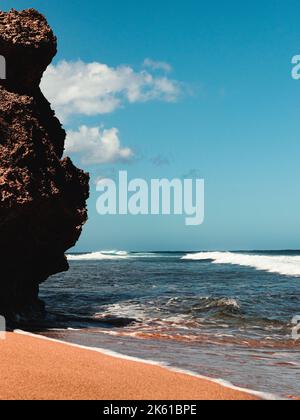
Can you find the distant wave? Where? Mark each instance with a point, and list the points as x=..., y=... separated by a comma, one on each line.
x=285, y=265
x=112, y=255
x=98, y=256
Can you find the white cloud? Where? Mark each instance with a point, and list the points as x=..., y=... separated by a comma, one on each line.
x=95, y=145
x=94, y=88
x=157, y=65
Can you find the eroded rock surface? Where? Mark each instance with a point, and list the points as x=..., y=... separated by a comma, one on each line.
x=42, y=196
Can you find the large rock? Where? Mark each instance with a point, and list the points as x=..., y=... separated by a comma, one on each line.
x=42, y=196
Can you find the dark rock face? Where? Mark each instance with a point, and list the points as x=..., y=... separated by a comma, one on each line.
x=42, y=196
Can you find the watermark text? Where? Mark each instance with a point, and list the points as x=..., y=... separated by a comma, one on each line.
x=296, y=328
x=2, y=67
x=2, y=328
x=296, y=68
x=157, y=197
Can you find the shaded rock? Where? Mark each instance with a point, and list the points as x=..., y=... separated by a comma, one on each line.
x=42, y=196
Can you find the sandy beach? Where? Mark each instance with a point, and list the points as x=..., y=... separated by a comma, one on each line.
x=37, y=369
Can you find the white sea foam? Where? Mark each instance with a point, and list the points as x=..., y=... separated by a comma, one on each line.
x=126, y=310
x=98, y=256
x=285, y=265
x=112, y=255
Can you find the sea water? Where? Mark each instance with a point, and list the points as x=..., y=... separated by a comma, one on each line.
x=224, y=315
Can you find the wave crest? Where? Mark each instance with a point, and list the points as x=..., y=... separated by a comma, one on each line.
x=99, y=256
x=285, y=265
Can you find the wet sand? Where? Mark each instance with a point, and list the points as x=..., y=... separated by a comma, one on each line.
x=36, y=369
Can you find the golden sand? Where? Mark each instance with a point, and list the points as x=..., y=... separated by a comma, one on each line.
x=36, y=369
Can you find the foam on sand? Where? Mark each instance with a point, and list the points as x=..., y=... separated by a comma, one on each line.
x=285, y=265
x=225, y=384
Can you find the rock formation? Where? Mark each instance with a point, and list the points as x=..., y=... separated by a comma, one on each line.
x=42, y=196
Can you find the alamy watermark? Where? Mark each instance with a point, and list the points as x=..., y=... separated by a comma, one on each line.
x=296, y=68
x=2, y=328
x=2, y=67
x=157, y=197
x=296, y=328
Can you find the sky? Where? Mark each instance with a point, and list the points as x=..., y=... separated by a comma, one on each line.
x=173, y=89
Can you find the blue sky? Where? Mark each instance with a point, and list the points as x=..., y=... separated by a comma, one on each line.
x=233, y=115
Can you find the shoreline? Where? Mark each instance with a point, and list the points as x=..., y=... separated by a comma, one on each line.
x=41, y=368
x=102, y=351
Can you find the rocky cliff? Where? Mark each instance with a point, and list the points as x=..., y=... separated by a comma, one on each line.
x=42, y=196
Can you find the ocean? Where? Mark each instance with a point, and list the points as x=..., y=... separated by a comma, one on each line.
x=224, y=315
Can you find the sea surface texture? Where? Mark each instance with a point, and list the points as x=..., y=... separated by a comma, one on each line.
x=219, y=314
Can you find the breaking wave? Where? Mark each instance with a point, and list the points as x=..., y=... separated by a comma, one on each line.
x=285, y=265
x=98, y=256
x=180, y=312
x=115, y=255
